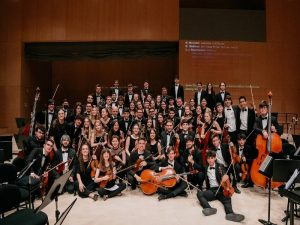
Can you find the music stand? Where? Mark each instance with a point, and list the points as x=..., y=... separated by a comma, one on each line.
x=296, y=139
x=55, y=190
x=284, y=168
x=65, y=213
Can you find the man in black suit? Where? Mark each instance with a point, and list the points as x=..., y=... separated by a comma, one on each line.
x=164, y=94
x=177, y=90
x=168, y=137
x=230, y=113
x=47, y=117
x=261, y=122
x=220, y=97
x=247, y=154
x=191, y=159
x=147, y=163
x=68, y=156
x=172, y=116
x=74, y=130
x=224, y=158
x=128, y=95
x=245, y=120
x=125, y=122
x=139, y=118
x=98, y=97
x=184, y=134
x=179, y=108
x=180, y=186
x=145, y=90
x=199, y=94
x=214, y=176
x=116, y=89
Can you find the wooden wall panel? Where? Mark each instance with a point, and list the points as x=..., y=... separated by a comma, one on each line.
x=78, y=78
x=81, y=20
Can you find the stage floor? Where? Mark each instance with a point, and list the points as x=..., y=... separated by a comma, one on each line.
x=133, y=207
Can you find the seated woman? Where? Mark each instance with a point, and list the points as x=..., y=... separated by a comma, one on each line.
x=85, y=185
x=106, y=177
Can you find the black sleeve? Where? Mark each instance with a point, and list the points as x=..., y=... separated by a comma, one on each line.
x=198, y=162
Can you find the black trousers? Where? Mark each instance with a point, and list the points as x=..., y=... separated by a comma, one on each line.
x=174, y=191
x=132, y=181
x=196, y=179
x=110, y=194
x=233, y=137
x=209, y=195
x=89, y=188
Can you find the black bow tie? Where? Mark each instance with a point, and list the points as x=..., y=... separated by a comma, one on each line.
x=65, y=152
x=51, y=113
x=229, y=109
x=211, y=168
x=218, y=149
x=244, y=110
x=264, y=118
x=222, y=92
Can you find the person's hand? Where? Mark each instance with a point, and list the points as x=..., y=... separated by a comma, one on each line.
x=190, y=159
x=143, y=163
x=33, y=175
x=273, y=129
x=106, y=177
x=265, y=134
x=71, y=179
x=138, y=178
x=224, y=178
x=81, y=187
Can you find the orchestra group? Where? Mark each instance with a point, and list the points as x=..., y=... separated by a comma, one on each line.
x=161, y=144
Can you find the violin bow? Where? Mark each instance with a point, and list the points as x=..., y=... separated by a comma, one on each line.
x=251, y=90
x=221, y=180
x=55, y=91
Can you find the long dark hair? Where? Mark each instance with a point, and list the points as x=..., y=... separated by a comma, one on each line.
x=80, y=158
x=102, y=161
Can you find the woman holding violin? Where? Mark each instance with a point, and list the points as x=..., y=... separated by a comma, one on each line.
x=85, y=184
x=179, y=186
x=218, y=188
x=118, y=155
x=106, y=177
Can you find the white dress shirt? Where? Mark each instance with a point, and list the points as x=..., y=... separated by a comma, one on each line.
x=244, y=119
x=230, y=118
x=211, y=174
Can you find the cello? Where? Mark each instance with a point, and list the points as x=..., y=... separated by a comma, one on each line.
x=264, y=147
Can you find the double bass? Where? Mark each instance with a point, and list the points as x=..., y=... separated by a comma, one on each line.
x=264, y=147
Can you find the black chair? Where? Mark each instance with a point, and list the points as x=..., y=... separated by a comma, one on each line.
x=10, y=198
x=8, y=174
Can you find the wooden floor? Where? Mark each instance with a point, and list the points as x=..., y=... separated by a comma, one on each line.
x=133, y=207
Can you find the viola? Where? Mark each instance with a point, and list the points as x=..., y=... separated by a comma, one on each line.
x=245, y=171
x=233, y=153
x=176, y=147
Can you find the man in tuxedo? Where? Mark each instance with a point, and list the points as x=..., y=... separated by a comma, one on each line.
x=74, y=130
x=220, y=97
x=261, y=122
x=116, y=89
x=115, y=113
x=168, y=137
x=172, y=116
x=145, y=90
x=164, y=94
x=199, y=94
x=191, y=159
x=68, y=156
x=230, y=113
x=183, y=136
x=214, y=176
x=139, y=118
x=125, y=122
x=47, y=117
x=224, y=158
x=247, y=154
x=177, y=90
x=128, y=95
x=179, y=109
x=180, y=186
x=245, y=120
x=98, y=97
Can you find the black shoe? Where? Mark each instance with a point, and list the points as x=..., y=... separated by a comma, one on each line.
x=247, y=185
x=162, y=197
x=235, y=217
x=236, y=190
x=183, y=194
x=209, y=211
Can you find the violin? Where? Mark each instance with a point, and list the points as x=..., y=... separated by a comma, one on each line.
x=176, y=147
x=103, y=183
x=228, y=190
x=94, y=165
x=245, y=171
x=137, y=165
x=233, y=153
